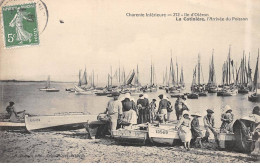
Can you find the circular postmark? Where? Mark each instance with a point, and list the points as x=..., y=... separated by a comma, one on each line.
x=41, y=9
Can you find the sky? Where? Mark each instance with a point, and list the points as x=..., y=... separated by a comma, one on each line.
x=98, y=34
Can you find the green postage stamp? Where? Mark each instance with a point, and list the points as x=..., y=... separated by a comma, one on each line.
x=20, y=25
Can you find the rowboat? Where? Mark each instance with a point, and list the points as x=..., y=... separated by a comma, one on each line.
x=163, y=134
x=52, y=90
x=12, y=126
x=134, y=134
x=58, y=122
x=8, y=123
x=254, y=97
x=193, y=96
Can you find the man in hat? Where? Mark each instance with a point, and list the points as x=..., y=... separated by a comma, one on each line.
x=226, y=118
x=209, y=123
x=143, y=109
x=114, y=110
x=163, y=107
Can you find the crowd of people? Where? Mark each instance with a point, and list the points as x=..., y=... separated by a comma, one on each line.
x=130, y=112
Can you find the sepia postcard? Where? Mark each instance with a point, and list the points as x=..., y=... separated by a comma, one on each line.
x=141, y=81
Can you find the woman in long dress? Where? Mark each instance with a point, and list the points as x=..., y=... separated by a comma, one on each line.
x=184, y=129
x=195, y=128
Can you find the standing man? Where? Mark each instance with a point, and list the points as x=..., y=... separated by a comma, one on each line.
x=143, y=109
x=209, y=123
x=114, y=110
x=163, y=107
x=180, y=105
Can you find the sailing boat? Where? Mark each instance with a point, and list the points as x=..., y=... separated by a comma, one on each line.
x=172, y=86
x=197, y=87
x=243, y=76
x=83, y=88
x=212, y=86
x=228, y=85
x=255, y=96
x=152, y=87
x=48, y=86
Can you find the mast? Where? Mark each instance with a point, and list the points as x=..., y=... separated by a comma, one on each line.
x=79, y=84
x=153, y=75
x=111, y=76
x=229, y=61
x=256, y=75
x=166, y=80
x=177, y=72
x=199, y=69
x=151, y=80
x=48, y=82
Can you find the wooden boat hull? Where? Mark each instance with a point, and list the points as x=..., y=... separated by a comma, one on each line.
x=166, y=135
x=12, y=126
x=192, y=96
x=254, y=97
x=57, y=122
x=52, y=90
x=129, y=136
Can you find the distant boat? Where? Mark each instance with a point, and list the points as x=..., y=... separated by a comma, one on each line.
x=212, y=85
x=58, y=122
x=228, y=78
x=255, y=96
x=48, y=86
x=243, y=78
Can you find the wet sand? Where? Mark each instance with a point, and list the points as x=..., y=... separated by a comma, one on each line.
x=74, y=146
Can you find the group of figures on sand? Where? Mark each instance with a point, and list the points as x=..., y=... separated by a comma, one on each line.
x=188, y=126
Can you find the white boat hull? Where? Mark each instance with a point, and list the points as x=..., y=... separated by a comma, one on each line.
x=12, y=126
x=57, y=122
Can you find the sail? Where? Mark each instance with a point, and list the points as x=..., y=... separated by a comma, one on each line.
x=79, y=84
x=256, y=75
x=182, y=78
x=84, y=80
x=129, y=81
x=212, y=74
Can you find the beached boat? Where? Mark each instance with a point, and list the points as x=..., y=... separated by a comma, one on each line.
x=255, y=96
x=59, y=122
x=48, y=87
x=12, y=126
x=12, y=123
x=134, y=134
x=163, y=134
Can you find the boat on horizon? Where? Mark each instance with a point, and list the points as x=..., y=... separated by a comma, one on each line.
x=48, y=88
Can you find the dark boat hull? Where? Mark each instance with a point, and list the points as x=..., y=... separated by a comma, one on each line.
x=193, y=96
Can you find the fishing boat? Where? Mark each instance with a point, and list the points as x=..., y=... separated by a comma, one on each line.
x=173, y=86
x=228, y=87
x=163, y=133
x=133, y=134
x=152, y=87
x=84, y=87
x=58, y=122
x=243, y=77
x=197, y=89
x=254, y=96
x=212, y=85
x=80, y=91
x=48, y=87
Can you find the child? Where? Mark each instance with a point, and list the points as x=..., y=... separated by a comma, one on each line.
x=184, y=129
x=152, y=110
x=195, y=128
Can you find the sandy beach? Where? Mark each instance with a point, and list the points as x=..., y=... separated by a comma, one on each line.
x=74, y=146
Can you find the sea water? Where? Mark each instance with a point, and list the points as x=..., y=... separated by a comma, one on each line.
x=27, y=96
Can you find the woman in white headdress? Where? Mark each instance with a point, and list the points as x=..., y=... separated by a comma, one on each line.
x=129, y=110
